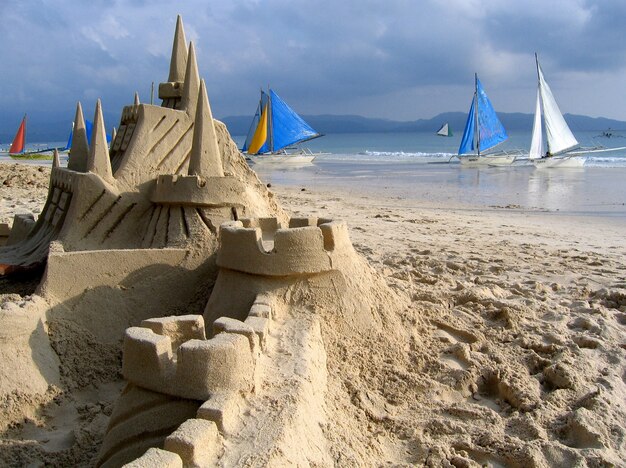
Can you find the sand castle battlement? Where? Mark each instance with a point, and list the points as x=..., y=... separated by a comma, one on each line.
x=63, y=179
x=172, y=356
x=173, y=189
x=262, y=246
x=130, y=114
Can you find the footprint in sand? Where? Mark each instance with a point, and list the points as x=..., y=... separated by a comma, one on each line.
x=457, y=357
x=453, y=335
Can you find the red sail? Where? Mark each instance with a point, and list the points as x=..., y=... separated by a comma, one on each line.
x=18, y=142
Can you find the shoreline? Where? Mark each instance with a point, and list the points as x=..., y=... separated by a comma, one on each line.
x=592, y=191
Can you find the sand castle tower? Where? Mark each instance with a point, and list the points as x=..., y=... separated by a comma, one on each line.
x=202, y=389
x=171, y=176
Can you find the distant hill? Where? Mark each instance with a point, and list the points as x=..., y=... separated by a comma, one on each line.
x=239, y=125
x=46, y=127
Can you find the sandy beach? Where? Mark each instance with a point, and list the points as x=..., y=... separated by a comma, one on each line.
x=504, y=345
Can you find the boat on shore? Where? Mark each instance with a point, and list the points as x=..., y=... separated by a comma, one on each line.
x=276, y=132
x=483, y=132
x=562, y=148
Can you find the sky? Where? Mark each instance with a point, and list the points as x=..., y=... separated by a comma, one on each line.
x=393, y=59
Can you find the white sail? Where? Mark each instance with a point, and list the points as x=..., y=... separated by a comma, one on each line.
x=443, y=131
x=536, y=143
x=559, y=137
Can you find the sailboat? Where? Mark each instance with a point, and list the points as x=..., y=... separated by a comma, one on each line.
x=560, y=140
x=562, y=148
x=17, y=149
x=19, y=141
x=483, y=131
x=275, y=129
x=444, y=130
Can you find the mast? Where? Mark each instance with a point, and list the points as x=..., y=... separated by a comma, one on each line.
x=476, y=129
x=541, y=100
x=270, y=122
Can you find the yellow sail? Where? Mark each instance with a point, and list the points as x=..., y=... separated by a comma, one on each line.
x=260, y=134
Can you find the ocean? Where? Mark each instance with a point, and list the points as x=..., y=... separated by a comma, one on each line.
x=415, y=166
x=428, y=147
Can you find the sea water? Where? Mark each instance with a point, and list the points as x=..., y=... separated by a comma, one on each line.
x=423, y=167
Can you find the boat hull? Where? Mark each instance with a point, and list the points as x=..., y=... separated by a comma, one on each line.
x=286, y=159
x=31, y=156
x=555, y=161
x=498, y=160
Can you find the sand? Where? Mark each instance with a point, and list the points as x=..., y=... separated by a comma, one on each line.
x=508, y=348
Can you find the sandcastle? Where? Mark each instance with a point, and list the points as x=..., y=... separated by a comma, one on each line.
x=221, y=380
x=170, y=240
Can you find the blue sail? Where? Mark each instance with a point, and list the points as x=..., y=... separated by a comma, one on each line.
x=490, y=130
x=467, y=142
x=88, y=130
x=288, y=128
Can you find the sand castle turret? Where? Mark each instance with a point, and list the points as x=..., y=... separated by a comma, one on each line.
x=98, y=161
x=265, y=247
x=205, y=159
x=170, y=92
x=191, y=85
x=56, y=161
x=80, y=148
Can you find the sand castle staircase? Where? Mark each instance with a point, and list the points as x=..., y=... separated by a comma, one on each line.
x=193, y=401
x=171, y=176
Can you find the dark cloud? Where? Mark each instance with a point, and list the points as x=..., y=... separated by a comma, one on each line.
x=393, y=59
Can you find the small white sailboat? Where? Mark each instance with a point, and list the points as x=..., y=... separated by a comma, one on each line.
x=483, y=132
x=274, y=131
x=444, y=131
x=562, y=148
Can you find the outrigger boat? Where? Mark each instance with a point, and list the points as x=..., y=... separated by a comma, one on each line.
x=274, y=132
x=16, y=151
x=483, y=132
x=562, y=148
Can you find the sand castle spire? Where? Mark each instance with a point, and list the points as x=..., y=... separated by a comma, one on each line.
x=178, y=62
x=205, y=158
x=56, y=162
x=192, y=83
x=136, y=99
x=99, y=161
x=79, y=151
x=113, y=135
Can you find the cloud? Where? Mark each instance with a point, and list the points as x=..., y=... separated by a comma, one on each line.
x=394, y=59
